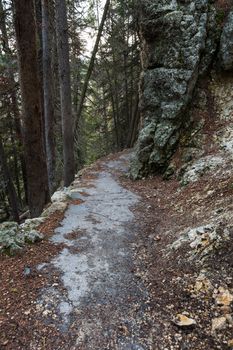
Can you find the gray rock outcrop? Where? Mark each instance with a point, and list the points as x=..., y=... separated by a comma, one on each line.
x=179, y=42
x=226, y=44
x=13, y=237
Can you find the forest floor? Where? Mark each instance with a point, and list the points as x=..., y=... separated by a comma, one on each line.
x=117, y=270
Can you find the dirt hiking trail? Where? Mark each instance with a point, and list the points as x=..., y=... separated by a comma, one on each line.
x=105, y=301
x=143, y=265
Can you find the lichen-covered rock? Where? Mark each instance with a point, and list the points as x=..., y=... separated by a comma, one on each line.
x=13, y=237
x=9, y=227
x=10, y=240
x=31, y=224
x=201, y=167
x=226, y=44
x=55, y=206
x=203, y=240
x=179, y=40
x=61, y=196
x=33, y=236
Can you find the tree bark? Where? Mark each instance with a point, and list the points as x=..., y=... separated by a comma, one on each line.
x=12, y=197
x=16, y=167
x=132, y=135
x=49, y=115
x=38, y=19
x=25, y=27
x=65, y=91
x=114, y=112
x=115, y=93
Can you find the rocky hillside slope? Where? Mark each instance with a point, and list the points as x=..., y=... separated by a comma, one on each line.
x=186, y=45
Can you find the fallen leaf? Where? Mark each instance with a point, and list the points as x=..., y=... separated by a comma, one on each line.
x=184, y=321
x=5, y=342
x=224, y=297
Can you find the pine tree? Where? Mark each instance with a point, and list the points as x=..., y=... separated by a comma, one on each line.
x=65, y=91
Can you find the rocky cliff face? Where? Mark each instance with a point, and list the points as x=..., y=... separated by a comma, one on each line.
x=181, y=41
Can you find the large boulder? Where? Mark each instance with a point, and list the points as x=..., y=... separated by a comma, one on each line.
x=226, y=44
x=179, y=40
x=10, y=240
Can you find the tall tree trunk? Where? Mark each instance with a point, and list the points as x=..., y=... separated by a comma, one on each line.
x=16, y=168
x=91, y=66
x=125, y=65
x=105, y=117
x=65, y=91
x=115, y=93
x=19, y=135
x=132, y=134
x=13, y=96
x=114, y=112
x=38, y=18
x=49, y=115
x=9, y=184
x=25, y=27
x=126, y=90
